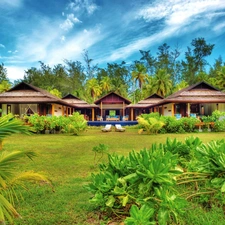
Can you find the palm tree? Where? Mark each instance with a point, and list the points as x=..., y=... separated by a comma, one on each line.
x=183, y=84
x=4, y=86
x=139, y=74
x=9, y=174
x=94, y=88
x=106, y=84
x=220, y=78
x=147, y=89
x=162, y=83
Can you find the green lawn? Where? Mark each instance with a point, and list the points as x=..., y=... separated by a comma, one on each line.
x=68, y=161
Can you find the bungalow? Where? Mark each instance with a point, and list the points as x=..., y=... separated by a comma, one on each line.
x=88, y=110
x=26, y=99
x=196, y=100
x=112, y=107
x=144, y=106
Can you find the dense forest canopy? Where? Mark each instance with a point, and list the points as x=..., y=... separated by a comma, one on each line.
x=163, y=73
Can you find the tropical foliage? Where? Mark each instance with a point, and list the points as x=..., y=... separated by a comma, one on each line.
x=10, y=176
x=151, y=187
x=73, y=124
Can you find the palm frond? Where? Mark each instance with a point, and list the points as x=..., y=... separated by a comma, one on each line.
x=10, y=125
x=7, y=211
x=8, y=163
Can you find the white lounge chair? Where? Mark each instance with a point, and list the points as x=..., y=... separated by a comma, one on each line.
x=118, y=127
x=107, y=128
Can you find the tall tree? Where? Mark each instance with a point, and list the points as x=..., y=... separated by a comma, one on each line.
x=4, y=86
x=195, y=59
x=148, y=88
x=91, y=70
x=216, y=67
x=3, y=73
x=163, y=59
x=76, y=77
x=33, y=76
x=168, y=60
x=162, y=83
x=139, y=74
x=62, y=83
x=220, y=78
x=120, y=77
x=93, y=88
x=105, y=84
x=149, y=61
x=179, y=86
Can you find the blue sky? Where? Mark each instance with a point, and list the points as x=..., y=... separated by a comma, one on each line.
x=111, y=30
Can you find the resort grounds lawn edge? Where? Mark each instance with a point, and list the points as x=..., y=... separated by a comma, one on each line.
x=68, y=161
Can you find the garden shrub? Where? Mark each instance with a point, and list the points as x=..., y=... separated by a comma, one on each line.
x=172, y=125
x=150, y=122
x=152, y=181
x=76, y=124
x=73, y=124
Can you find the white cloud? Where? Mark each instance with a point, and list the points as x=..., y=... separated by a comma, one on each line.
x=2, y=46
x=179, y=12
x=12, y=52
x=220, y=27
x=69, y=22
x=83, y=5
x=15, y=73
x=91, y=8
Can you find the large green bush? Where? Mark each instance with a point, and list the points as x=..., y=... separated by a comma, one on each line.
x=155, y=180
x=73, y=124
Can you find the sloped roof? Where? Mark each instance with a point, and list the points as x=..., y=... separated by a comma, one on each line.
x=71, y=99
x=112, y=97
x=147, y=102
x=199, y=92
x=27, y=93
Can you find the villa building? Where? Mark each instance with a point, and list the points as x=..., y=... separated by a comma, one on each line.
x=196, y=100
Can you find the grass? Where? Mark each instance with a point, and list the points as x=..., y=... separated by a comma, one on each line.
x=68, y=161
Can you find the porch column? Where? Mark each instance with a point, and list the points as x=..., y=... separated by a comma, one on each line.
x=62, y=110
x=53, y=109
x=123, y=110
x=101, y=108
x=38, y=109
x=92, y=114
x=132, y=114
x=44, y=111
x=162, y=110
x=172, y=109
x=188, y=109
x=66, y=111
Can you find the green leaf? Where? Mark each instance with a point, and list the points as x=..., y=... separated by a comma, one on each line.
x=163, y=216
x=223, y=187
x=125, y=200
x=110, y=201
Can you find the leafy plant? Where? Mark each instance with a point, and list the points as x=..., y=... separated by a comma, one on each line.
x=76, y=124
x=9, y=175
x=149, y=123
x=135, y=180
x=140, y=216
x=101, y=149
